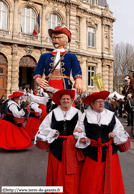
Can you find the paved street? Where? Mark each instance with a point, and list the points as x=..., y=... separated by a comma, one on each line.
x=28, y=167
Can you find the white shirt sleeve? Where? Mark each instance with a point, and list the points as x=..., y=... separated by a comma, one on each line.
x=36, y=108
x=121, y=135
x=78, y=136
x=46, y=133
x=16, y=113
x=38, y=99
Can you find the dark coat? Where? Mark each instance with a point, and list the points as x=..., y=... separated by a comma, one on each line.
x=129, y=89
x=108, y=106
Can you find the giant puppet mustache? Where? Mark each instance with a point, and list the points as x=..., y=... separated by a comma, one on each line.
x=56, y=42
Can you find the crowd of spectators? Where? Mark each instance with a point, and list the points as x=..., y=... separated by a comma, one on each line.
x=121, y=107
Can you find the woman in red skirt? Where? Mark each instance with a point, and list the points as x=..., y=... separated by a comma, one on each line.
x=34, y=120
x=98, y=134
x=65, y=161
x=45, y=103
x=13, y=135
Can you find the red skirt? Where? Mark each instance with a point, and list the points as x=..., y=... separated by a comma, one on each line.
x=44, y=111
x=13, y=137
x=32, y=126
x=58, y=84
x=93, y=175
x=57, y=176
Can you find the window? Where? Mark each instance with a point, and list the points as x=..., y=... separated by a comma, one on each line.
x=91, y=2
x=3, y=16
x=28, y=19
x=91, y=37
x=53, y=21
x=1, y=70
x=91, y=72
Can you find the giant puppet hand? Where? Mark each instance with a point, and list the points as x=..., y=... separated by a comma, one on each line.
x=78, y=86
x=42, y=82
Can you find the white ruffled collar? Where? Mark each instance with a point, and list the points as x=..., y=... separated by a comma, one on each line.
x=59, y=114
x=106, y=116
x=59, y=50
x=12, y=102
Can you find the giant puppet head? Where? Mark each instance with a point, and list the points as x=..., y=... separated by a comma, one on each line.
x=61, y=36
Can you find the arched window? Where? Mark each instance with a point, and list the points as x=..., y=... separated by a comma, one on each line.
x=28, y=19
x=3, y=16
x=53, y=21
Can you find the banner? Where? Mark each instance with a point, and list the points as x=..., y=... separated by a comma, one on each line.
x=98, y=81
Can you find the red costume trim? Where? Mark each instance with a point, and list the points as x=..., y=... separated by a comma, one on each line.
x=54, y=53
x=37, y=76
x=77, y=77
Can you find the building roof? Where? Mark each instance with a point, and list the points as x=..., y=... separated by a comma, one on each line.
x=102, y=2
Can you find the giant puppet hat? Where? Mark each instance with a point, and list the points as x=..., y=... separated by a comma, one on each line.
x=16, y=94
x=60, y=30
x=59, y=93
x=96, y=95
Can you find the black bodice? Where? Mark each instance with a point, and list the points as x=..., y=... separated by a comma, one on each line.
x=65, y=128
x=94, y=131
x=9, y=117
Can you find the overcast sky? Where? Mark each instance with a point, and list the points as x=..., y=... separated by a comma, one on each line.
x=123, y=11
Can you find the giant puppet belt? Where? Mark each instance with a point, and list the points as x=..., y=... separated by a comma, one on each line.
x=108, y=164
x=57, y=77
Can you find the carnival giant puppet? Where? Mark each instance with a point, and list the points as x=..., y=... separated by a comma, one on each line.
x=65, y=62
x=129, y=86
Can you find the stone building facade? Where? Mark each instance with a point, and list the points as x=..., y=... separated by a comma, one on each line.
x=91, y=26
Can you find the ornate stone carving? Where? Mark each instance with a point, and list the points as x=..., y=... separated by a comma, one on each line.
x=28, y=36
x=106, y=62
x=27, y=61
x=107, y=12
x=107, y=22
x=29, y=49
x=48, y=39
x=43, y=50
x=91, y=59
x=44, y=6
x=91, y=21
x=4, y=32
x=55, y=8
x=80, y=59
x=3, y=59
x=14, y=49
x=30, y=3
